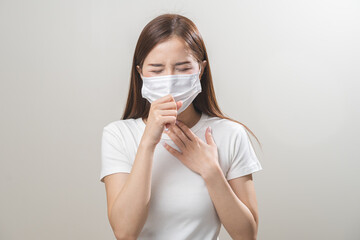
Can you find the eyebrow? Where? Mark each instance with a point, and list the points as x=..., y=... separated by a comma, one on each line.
x=161, y=65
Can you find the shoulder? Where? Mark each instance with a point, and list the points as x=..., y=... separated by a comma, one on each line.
x=114, y=125
x=119, y=127
x=226, y=127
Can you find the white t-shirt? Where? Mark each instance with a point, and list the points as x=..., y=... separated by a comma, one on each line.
x=180, y=205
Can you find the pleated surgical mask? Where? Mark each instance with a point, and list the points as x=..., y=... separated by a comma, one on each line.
x=183, y=87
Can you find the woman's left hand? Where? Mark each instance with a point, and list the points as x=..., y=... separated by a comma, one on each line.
x=197, y=155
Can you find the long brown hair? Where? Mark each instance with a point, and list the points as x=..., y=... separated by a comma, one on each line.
x=159, y=30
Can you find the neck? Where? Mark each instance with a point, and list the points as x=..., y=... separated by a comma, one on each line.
x=189, y=116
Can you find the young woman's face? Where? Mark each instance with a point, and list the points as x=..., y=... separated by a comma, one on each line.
x=169, y=58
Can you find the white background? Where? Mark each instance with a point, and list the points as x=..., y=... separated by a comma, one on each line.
x=289, y=70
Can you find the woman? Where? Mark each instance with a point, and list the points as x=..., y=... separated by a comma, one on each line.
x=201, y=174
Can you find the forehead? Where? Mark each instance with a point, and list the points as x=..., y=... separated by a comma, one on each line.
x=169, y=51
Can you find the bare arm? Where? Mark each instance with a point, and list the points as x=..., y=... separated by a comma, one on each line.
x=128, y=205
x=128, y=194
x=235, y=203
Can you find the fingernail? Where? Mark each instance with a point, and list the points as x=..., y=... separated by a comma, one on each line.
x=210, y=130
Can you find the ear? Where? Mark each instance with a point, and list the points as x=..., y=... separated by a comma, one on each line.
x=203, y=65
x=138, y=69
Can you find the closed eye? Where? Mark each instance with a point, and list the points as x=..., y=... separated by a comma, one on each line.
x=182, y=70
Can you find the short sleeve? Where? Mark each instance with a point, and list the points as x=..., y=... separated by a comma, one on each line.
x=113, y=155
x=243, y=158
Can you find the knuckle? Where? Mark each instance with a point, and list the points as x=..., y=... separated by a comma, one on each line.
x=157, y=119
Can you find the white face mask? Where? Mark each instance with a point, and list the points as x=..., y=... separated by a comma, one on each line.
x=183, y=87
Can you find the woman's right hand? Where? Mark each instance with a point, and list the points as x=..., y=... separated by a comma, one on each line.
x=163, y=112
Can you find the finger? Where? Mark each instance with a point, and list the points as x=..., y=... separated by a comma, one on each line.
x=167, y=98
x=173, y=151
x=168, y=120
x=186, y=130
x=176, y=139
x=179, y=104
x=180, y=134
x=208, y=136
x=167, y=105
x=171, y=113
x=168, y=112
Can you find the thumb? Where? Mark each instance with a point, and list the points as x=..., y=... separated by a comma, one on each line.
x=179, y=104
x=208, y=136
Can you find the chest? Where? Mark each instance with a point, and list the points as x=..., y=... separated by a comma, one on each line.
x=177, y=189
x=180, y=202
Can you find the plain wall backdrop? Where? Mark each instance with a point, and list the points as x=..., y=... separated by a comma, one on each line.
x=289, y=70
